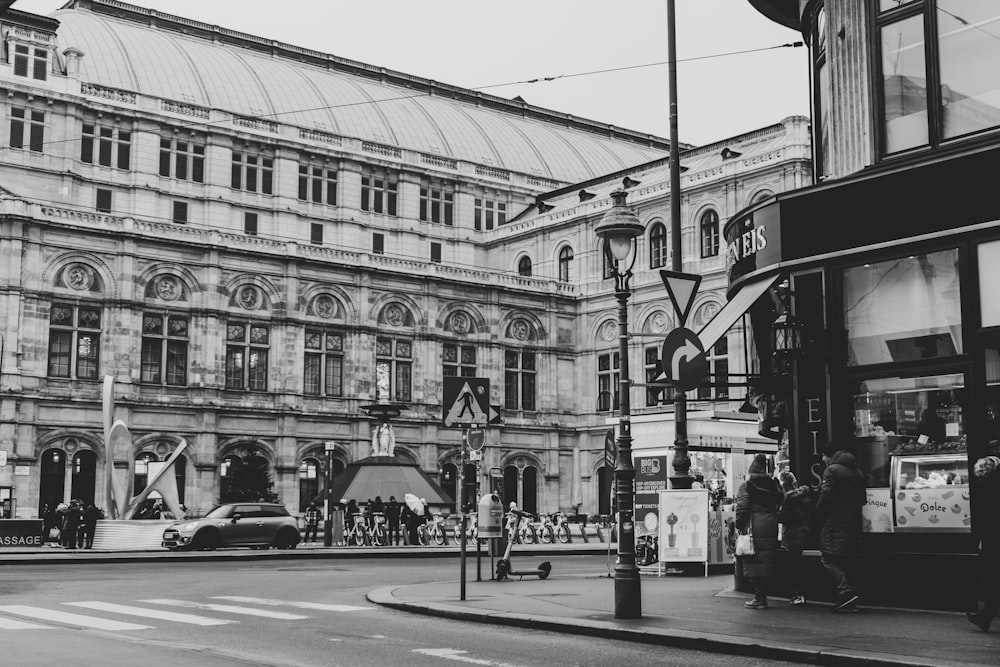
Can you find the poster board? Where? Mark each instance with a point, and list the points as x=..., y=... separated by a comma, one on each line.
x=650, y=479
x=684, y=526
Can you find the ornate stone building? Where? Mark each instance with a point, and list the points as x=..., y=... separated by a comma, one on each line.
x=257, y=240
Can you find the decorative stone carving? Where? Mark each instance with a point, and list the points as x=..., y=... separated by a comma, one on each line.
x=609, y=330
x=520, y=330
x=325, y=306
x=79, y=276
x=461, y=323
x=249, y=297
x=168, y=288
x=658, y=322
x=395, y=315
x=383, y=440
x=705, y=313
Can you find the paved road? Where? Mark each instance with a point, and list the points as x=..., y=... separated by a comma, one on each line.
x=280, y=613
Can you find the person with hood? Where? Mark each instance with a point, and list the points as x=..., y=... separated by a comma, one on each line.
x=795, y=517
x=838, y=512
x=986, y=483
x=757, y=503
x=393, y=509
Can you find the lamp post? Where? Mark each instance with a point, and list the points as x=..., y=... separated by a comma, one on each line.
x=617, y=230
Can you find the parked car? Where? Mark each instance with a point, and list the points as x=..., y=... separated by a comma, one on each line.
x=260, y=525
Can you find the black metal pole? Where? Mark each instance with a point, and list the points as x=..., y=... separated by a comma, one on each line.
x=461, y=507
x=681, y=463
x=628, y=593
x=327, y=511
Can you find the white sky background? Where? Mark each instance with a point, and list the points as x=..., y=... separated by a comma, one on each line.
x=474, y=44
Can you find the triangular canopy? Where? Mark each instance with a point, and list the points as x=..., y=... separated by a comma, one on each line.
x=387, y=476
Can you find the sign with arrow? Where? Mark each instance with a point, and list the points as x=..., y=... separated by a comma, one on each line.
x=495, y=416
x=466, y=401
x=682, y=288
x=683, y=359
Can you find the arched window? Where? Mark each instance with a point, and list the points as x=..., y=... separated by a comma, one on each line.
x=510, y=479
x=141, y=478
x=53, y=475
x=565, y=262
x=309, y=475
x=529, y=490
x=449, y=481
x=658, y=246
x=227, y=493
x=84, y=480
x=524, y=266
x=709, y=234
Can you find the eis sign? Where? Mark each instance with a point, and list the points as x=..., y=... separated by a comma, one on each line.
x=753, y=242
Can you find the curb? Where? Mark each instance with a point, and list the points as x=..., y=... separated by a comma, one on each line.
x=682, y=639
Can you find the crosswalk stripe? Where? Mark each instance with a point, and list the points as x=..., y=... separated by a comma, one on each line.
x=70, y=619
x=12, y=624
x=228, y=609
x=150, y=613
x=291, y=603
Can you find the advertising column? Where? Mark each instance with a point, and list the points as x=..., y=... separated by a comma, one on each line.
x=650, y=479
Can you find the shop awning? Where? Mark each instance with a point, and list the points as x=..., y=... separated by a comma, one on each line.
x=732, y=311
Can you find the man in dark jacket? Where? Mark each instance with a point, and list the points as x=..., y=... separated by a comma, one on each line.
x=757, y=503
x=392, y=512
x=838, y=511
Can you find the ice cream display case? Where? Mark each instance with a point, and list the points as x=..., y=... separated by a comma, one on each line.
x=930, y=490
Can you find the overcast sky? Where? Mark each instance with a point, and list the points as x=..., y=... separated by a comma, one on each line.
x=478, y=44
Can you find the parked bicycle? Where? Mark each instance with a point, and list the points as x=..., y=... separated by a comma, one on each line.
x=357, y=531
x=378, y=533
x=471, y=529
x=554, y=526
x=433, y=532
x=525, y=531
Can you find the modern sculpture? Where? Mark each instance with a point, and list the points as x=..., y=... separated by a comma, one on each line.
x=120, y=502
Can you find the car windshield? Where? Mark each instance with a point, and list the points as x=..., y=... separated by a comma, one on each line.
x=220, y=512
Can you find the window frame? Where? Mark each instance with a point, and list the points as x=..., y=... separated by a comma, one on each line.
x=659, y=249
x=520, y=379
x=249, y=380
x=182, y=159
x=26, y=121
x=317, y=182
x=379, y=191
x=399, y=365
x=437, y=202
x=486, y=212
x=327, y=357
x=608, y=380
x=166, y=345
x=708, y=226
x=252, y=168
x=106, y=145
x=76, y=367
x=457, y=364
x=565, y=264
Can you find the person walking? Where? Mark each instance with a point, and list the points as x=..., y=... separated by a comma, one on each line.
x=795, y=517
x=986, y=486
x=838, y=512
x=71, y=524
x=392, y=514
x=91, y=515
x=312, y=522
x=757, y=503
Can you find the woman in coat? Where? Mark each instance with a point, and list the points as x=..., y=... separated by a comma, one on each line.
x=986, y=483
x=757, y=504
x=795, y=518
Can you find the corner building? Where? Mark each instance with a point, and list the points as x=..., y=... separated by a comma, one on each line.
x=892, y=257
x=256, y=240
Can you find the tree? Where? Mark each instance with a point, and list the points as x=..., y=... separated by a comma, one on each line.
x=249, y=480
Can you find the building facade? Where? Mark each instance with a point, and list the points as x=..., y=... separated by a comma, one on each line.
x=256, y=241
x=892, y=261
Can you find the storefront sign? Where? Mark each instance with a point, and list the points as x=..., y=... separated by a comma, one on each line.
x=944, y=507
x=877, y=512
x=753, y=241
x=650, y=479
x=20, y=533
x=684, y=526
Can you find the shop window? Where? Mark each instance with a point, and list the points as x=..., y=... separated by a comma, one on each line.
x=989, y=274
x=910, y=442
x=324, y=363
x=903, y=309
x=938, y=81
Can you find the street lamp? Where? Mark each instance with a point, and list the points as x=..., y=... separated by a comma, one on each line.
x=617, y=230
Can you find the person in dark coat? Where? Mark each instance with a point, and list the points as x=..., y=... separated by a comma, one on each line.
x=91, y=515
x=757, y=503
x=411, y=521
x=838, y=512
x=312, y=518
x=986, y=487
x=795, y=518
x=392, y=513
x=71, y=524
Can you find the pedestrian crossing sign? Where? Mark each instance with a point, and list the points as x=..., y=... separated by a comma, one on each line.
x=466, y=401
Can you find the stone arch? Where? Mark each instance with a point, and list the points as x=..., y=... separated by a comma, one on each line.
x=153, y=283
x=446, y=320
x=605, y=331
x=252, y=293
x=529, y=459
x=512, y=327
x=758, y=195
x=654, y=320
x=100, y=277
x=346, y=310
x=55, y=440
x=163, y=444
x=316, y=449
x=407, y=454
x=702, y=208
x=557, y=254
x=519, y=257
x=239, y=446
x=416, y=315
x=704, y=309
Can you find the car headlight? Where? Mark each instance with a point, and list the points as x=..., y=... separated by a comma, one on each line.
x=191, y=525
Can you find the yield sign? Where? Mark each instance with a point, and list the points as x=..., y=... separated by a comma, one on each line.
x=681, y=287
x=466, y=401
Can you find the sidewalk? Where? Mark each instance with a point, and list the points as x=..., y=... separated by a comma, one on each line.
x=704, y=613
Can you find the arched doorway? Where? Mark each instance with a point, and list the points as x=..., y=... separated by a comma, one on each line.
x=227, y=472
x=529, y=490
x=510, y=479
x=83, y=483
x=52, y=482
x=449, y=480
x=309, y=479
x=605, y=483
x=141, y=477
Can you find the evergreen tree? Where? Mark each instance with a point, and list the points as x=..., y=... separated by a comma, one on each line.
x=248, y=480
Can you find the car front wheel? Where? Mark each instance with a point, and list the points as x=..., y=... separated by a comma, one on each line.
x=286, y=539
x=206, y=541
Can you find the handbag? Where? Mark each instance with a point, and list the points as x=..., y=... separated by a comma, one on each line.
x=744, y=543
x=54, y=533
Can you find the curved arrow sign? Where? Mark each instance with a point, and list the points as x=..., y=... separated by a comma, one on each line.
x=683, y=359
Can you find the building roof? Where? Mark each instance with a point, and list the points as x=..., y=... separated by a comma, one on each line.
x=159, y=55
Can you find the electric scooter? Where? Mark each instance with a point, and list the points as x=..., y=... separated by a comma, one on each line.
x=504, y=566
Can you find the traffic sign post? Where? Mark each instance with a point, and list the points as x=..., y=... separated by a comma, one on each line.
x=682, y=288
x=683, y=359
x=466, y=402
